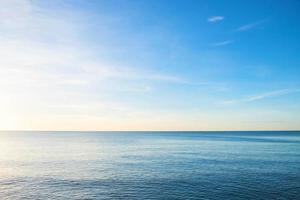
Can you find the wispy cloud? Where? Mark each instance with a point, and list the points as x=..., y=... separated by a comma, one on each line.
x=252, y=25
x=37, y=51
x=45, y=60
x=270, y=94
x=215, y=18
x=216, y=44
x=260, y=96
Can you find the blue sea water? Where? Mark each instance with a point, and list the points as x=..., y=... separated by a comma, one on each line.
x=150, y=165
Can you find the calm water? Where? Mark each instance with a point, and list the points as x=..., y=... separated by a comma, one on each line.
x=144, y=165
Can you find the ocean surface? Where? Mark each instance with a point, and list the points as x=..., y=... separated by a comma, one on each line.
x=149, y=165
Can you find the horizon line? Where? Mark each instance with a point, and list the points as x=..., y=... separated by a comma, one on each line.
x=266, y=130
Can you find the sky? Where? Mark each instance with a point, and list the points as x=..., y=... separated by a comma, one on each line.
x=149, y=65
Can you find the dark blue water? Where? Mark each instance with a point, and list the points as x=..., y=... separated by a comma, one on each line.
x=150, y=165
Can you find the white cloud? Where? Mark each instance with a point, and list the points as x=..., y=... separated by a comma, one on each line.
x=271, y=94
x=216, y=44
x=260, y=96
x=215, y=18
x=251, y=25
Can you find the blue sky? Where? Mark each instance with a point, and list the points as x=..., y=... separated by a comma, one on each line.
x=150, y=65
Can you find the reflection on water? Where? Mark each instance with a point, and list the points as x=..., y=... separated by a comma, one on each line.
x=144, y=165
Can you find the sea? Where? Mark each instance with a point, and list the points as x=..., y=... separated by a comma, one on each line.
x=228, y=165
